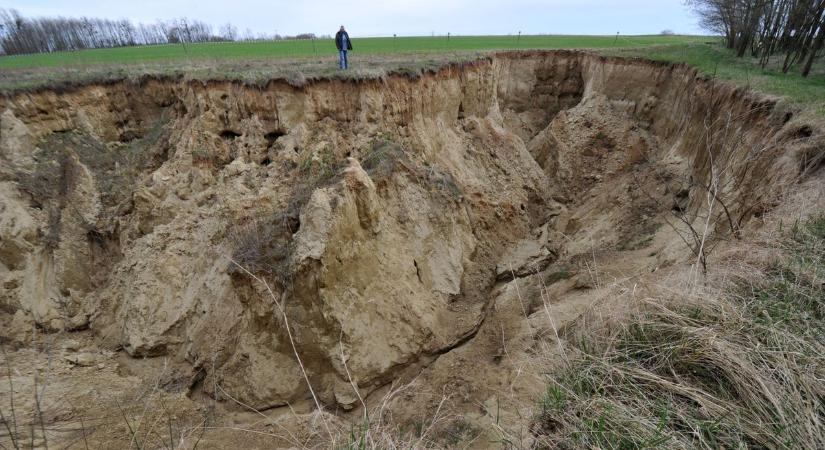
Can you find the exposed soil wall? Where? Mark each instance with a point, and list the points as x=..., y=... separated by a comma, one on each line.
x=382, y=214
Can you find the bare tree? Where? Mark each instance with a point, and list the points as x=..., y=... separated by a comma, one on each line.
x=722, y=193
x=229, y=32
x=764, y=28
x=20, y=35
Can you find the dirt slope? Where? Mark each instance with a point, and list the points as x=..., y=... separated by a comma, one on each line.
x=409, y=228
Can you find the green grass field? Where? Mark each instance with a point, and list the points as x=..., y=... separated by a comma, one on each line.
x=374, y=57
x=716, y=61
x=320, y=47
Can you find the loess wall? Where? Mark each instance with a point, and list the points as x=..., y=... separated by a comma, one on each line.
x=379, y=213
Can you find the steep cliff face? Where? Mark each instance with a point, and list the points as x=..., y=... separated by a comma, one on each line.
x=378, y=214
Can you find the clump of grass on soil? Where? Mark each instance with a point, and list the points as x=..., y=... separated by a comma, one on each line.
x=387, y=157
x=741, y=369
x=264, y=245
x=383, y=157
x=115, y=167
x=322, y=169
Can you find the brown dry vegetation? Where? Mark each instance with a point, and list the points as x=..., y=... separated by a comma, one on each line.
x=732, y=364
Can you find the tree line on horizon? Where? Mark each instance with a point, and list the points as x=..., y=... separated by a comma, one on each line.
x=21, y=35
x=794, y=29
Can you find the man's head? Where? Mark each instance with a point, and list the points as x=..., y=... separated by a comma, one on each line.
x=342, y=28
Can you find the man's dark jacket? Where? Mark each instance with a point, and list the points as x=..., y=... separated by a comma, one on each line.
x=339, y=37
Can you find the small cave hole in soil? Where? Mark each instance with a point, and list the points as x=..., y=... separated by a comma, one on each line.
x=266, y=161
x=229, y=135
x=273, y=136
x=803, y=132
x=128, y=136
x=293, y=223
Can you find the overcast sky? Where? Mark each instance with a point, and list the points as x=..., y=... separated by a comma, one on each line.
x=404, y=17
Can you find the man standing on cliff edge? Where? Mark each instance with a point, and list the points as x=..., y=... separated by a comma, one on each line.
x=343, y=43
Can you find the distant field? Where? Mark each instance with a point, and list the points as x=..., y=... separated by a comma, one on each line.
x=373, y=57
x=321, y=47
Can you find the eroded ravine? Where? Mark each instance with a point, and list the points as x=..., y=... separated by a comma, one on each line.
x=388, y=216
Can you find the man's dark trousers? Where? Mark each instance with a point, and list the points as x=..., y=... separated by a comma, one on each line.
x=342, y=59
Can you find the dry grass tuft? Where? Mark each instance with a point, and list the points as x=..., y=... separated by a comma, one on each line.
x=264, y=247
x=740, y=369
x=377, y=429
